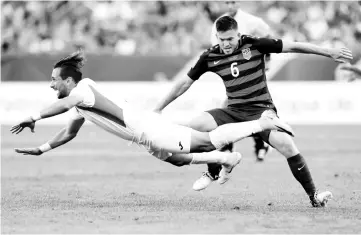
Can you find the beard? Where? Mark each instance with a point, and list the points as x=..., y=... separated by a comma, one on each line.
x=61, y=95
x=229, y=50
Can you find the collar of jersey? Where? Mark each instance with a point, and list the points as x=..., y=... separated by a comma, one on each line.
x=222, y=55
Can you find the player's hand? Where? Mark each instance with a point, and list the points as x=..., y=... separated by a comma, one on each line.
x=343, y=55
x=28, y=122
x=28, y=151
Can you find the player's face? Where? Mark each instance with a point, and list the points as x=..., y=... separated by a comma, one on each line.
x=232, y=6
x=228, y=40
x=58, y=84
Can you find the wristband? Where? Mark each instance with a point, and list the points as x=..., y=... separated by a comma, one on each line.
x=36, y=116
x=45, y=147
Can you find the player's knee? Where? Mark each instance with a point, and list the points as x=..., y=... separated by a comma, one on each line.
x=204, y=122
x=197, y=126
x=284, y=149
x=287, y=148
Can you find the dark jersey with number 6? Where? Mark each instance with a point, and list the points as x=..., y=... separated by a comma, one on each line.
x=243, y=71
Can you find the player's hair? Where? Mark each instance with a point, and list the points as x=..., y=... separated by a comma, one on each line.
x=71, y=66
x=226, y=23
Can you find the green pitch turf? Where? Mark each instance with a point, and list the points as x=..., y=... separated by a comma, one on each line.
x=99, y=184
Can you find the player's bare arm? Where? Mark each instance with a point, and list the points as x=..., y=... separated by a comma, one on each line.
x=61, y=106
x=65, y=135
x=57, y=108
x=341, y=55
x=180, y=86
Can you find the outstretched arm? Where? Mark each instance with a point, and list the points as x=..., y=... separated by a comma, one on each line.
x=60, y=106
x=340, y=55
x=177, y=90
x=57, y=108
x=183, y=84
x=65, y=135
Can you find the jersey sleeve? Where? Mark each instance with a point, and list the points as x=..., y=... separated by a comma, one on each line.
x=75, y=115
x=266, y=45
x=85, y=93
x=199, y=68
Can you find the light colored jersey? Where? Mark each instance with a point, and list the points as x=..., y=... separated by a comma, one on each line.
x=149, y=129
x=346, y=75
x=96, y=108
x=247, y=24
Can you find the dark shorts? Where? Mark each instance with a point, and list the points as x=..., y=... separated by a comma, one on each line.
x=231, y=115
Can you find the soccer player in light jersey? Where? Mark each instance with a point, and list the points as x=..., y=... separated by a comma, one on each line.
x=173, y=143
x=239, y=61
x=353, y=72
x=248, y=24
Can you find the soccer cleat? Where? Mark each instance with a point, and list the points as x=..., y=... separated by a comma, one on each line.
x=203, y=182
x=232, y=160
x=274, y=123
x=320, y=199
x=213, y=172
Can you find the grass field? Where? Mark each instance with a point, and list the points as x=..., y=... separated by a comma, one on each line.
x=99, y=184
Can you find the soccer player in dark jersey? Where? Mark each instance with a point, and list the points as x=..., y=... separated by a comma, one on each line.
x=250, y=25
x=239, y=61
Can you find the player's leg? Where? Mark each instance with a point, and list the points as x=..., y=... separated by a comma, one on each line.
x=233, y=132
x=299, y=168
x=175, y=138
x=222, y=136
x=215, y=118
x=261, y=148
x=229, y=147
x=166, y=136
x=173, y=143
x=205, y=122
x=228, y=135
x=182, y=159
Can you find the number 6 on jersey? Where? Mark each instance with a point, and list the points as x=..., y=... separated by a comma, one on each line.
x=234, y=69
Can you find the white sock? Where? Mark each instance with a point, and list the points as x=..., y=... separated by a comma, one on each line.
x=233, y=132
x=209, y=157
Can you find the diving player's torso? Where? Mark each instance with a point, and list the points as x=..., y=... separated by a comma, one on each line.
x=98, y=109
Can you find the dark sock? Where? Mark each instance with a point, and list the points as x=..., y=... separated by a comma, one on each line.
x=302, y=174
x=258, y=142
x=214, y=170
x=228, y=147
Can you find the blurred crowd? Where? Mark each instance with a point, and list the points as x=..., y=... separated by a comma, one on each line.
x=163, y=27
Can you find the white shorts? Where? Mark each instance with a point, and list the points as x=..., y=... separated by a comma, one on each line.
x=157, y=133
